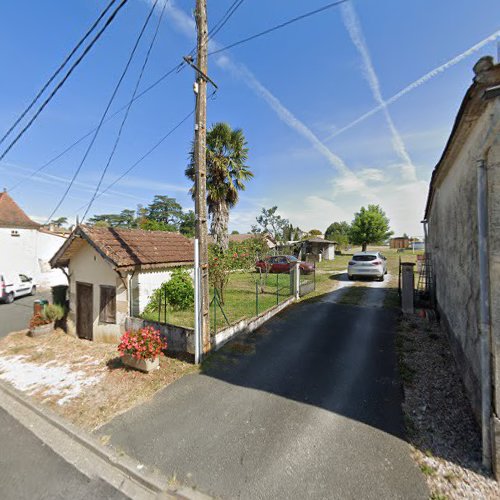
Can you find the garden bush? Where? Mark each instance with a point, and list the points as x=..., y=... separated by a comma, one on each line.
x=179, y=291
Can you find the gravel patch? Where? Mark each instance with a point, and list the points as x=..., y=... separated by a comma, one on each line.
x=441, y=427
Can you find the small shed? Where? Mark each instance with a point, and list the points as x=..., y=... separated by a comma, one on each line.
x=399, y=242
x=113, y=272
x=319, y=249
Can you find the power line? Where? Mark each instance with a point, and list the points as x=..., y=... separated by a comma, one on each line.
x=90, y=132
x=279, y=26
x=103, y=117
x=65, y=78
x=142, y=158
x=57, y=71
x=172, y=70
x=122, y=125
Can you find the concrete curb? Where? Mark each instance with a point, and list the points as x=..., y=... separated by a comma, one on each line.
x=154, y=482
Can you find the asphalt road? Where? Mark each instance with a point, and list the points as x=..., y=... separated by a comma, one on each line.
x=309, y=406
x=16, y=316
x=30, y=470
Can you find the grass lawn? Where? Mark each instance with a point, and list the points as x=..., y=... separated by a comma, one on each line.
x=240, y=294
x=240, y=300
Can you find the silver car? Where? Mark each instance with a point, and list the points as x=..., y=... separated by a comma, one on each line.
x=369, y=264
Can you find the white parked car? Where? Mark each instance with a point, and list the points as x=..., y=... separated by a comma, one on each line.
x=367, y=264
x=15, y=285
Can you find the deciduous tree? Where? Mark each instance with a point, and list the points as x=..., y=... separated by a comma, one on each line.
x=370, y=226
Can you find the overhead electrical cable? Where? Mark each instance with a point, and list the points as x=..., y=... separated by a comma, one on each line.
x=172, y=70
x=57, y=71
x=108, y=106
x=277, y=27
x=142, y=158
x=90, y=132
x=125, y=116
x=65, y=78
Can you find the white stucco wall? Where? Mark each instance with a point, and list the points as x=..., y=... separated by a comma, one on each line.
x=87, y=266
x=143, y=285
x=29, y=254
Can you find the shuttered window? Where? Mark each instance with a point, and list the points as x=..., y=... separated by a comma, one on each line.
x=107, y=310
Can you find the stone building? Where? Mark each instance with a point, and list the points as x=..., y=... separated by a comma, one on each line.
x=462, y=221
x=112, y=274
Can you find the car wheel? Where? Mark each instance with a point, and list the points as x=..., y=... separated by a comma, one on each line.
x=10, y=298
x=33, y=290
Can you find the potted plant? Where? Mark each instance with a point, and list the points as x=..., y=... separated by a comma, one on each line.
x=140, y=349
x=43, y=322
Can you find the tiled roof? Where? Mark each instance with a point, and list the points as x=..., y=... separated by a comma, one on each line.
x=12, y=216
x=129, y=248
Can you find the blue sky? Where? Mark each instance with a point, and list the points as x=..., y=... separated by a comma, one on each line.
x=291, y=92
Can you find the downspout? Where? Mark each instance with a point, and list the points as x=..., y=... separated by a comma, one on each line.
x=484, y=309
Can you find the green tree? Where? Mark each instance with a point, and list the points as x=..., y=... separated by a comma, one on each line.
x=315, y=232
x=61, y=221
x=227, y=172
x=165, y=210
x=370, y=226
x=188, y=223
x=235, y=232
x=272, y=223
x=339, y=232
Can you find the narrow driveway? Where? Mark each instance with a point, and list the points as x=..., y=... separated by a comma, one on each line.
x=309, y=406
x=16, y=316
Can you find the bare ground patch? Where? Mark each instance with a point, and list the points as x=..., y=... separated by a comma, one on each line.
x=83, y=381
x=441, y=428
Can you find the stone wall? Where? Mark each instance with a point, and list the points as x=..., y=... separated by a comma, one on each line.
x=179, y=339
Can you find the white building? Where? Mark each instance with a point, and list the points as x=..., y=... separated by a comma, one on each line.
x=113, y=272
x=26, y=247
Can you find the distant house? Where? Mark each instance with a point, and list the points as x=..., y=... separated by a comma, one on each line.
x=399, y=242
x=462, y=217
x=318, y=249
x=26, y=246
x=113, y=272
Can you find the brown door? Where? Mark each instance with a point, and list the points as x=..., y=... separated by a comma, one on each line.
x=84, y=320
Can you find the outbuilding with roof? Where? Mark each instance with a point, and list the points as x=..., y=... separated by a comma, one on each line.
x=113, y=272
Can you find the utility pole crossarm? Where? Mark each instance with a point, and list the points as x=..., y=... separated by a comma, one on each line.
x=189, y=60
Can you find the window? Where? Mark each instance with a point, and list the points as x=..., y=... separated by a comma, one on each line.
x=107, y=309
x=364, y=258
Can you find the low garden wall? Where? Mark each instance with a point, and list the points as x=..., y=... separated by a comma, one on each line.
x=247, y=325
x=179, y=338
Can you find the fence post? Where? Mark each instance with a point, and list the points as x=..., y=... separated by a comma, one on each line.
x=215, y=311
x=159, y=307
x=256, y=299
x=165, y=308
x=277, y=289
x=297, y=281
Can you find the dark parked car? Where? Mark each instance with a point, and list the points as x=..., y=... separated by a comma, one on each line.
x=283, y=264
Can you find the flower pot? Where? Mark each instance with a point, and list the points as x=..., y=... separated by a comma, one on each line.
x=38, y=331
x=143, y=365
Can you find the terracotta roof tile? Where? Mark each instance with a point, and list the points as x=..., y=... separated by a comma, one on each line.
x=130, y=248
x=11, y=215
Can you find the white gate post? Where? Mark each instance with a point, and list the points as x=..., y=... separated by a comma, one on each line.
x=297, y=281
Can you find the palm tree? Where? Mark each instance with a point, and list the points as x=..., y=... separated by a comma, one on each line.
x=226, y=174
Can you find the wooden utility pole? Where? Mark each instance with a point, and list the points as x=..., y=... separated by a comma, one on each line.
x=200, y=159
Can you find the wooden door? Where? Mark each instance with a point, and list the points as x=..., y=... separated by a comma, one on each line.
x=84, y=310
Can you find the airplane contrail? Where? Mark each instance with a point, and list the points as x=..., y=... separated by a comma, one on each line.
x=417, y=83
x=353, y=26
